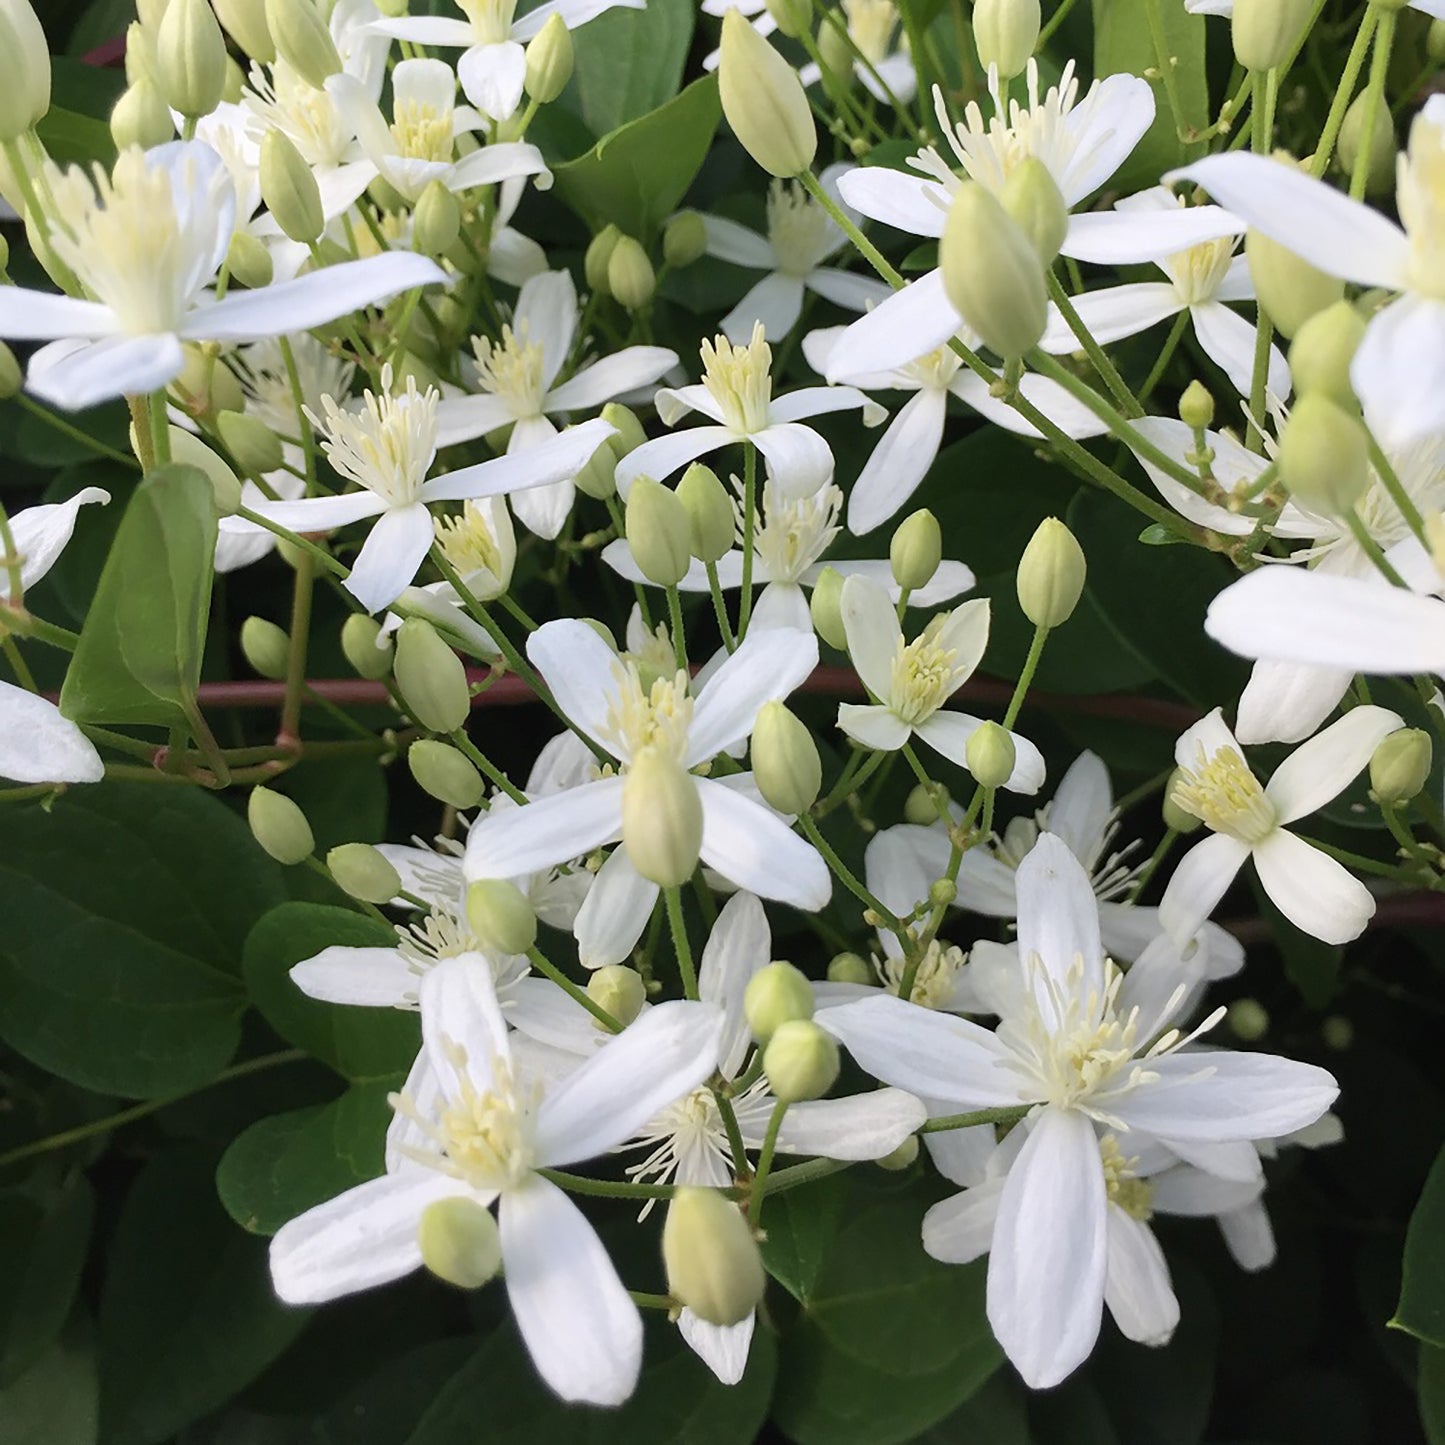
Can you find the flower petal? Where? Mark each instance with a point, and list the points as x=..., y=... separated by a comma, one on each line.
x=616, y=910
x=899, y=462
x=909, y=324
x=1319, y=895
x=1399, y=369
x=73, y=375
x=1136, y=1283
x=27, y=315
x=583, y=673
x=874, y=727
x=849, y=289
x=874, y=635
x=768, y=664
x=391, y=556
x=1112, y=313
x=722, y=1348
x=740, y=245
x=548, y=831
x=1285, y=702
x=492, y=77
x=365, y=977
x=738, y=946
x=753, y=848
x=1081, y=807
x=1044, y=394
x=662, y=456
x=897, y=198
x=799, y=460
x=1199, y=882
x=1059, y=924
x=863, y=1126
x=776, y=301
x=1127, y=237
x=1327, y=764
x=41, y=533
x=623, y=371
x=1229, y=340
x=558, y=459
x=38, y=745
x=959, y=1229
x=949, y=733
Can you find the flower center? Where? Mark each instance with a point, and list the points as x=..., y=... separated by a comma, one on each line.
x=512, y=369
x=386, y=447
x=937, y=974
x=1133, y=1195
x=1198, y=272
x=308, y=117
x=924, y=676
x=437, y=936
x=936, y=369
x=1420, y=195
x=470, y=545
x=799, y=230
x=793, y=533
x=655, y=717
x=870, y=26
x=262, y=372
x=486, y=1134
x=421, y=131
x=737, y=378
x=491, y=19
x=1224, y=794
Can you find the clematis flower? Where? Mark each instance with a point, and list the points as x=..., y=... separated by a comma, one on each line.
x=467, y=1128
x=40, y=534
x=39, y=745
x=911, y=681
x=1317, y=894
x=1086, y=1047
x=146, y=241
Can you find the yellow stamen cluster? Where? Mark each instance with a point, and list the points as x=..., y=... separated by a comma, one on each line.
x=388, y=446
x=469, y=543
x=793, y=533
x=799, y=230
x=937, y=975
x=421, y=131
x=655, y=717
x=925, y=675
x=1223, y=793
x=738, y=379
x=1198, y=272
x=1133, y=1195
x=511, y=369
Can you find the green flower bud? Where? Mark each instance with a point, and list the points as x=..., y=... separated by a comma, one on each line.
x=833, y=50
x=248, y=261
x=303, y=40
x=189, y=450
x=684, y=240
x=630, y=433
x=619, y=990
x=235, y=85
x=902, y=1157
x=141, y=117
x=826, y=608
x=1400, y=766
x=1324, y=455
x=659, y=532
x=992, y=273
x=661, y=819
x=1380, y=162
x=444, y=773
x=713, y=1263
x=24, y=69
x=1051, y=574
x=364, y=872
x=1005, y=33
x=1196, y=407
x=990, y=755
x=786, y=766
x=365, y=648
x=925, y=804
x=1288, y=287
x=460, y=1242
x=1033, y=200
x=205, y=386
x=599, y=253
x=140, y=48
x=1175, y=817
x=501, y=916
x=849, y=968
x=942, y=892
x=245, y=23
x=11, y=377
x=437, y=220
x=764, y=101
x=289, y=189
x=916, y=550
x=630, y=277
x=1248, y=1020
x=255, y=447
x=1338, y=1033
x=793, y=17
x=801, y=1061
x=265, y=647
x=709, y=512
x=1265, y=32
x=598, y=478
x=151, y=12
x=549, y=61
x=431, y=678
x=191, y=58
x=1321, y=353
x=279, y=826
x=776, y=994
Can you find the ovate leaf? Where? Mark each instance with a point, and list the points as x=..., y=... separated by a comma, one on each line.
x=629, y=62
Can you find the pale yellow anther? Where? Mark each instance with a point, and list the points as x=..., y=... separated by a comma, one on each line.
x=738, y=379
x=512, y=369
x=655, y=717
x=468, y=542
x=799, y=230
x=421, y=131
x=1133, y=1195
x=491, y=19
x=1225, y=795
x=1198, y=272
x=924, y=676
x=1420, y=196
x=389, y=444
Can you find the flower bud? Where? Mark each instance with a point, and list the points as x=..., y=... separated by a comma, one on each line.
x=661, y=819
x=659, y=532
x=1321, y=353
x=459, y=1241
x=713, y=1263
x=916, y=550
x=1005, y=33
x=990, y=755
x=204, y=386
x=618, y=990
x=599, y=253
x=826, y=608
x=709, y=513
x=786, y=766
x=141, y=117
x=992, y=273
x=431, y=678
x=792, y=17
x=255, y=447
x=364, y=872
x=630, y=277
x=1380, y=162
x=776, y=994
x=684, y=239
x=849, y=968
x=245, y=23
x=302, y=40
x=1288, y=287
x=1176, y=818
x=1196, y=407
x=1337, y=1033
x=248, y=261
x=189, y=450
x=630, y=433
x=365, y=648
x=436, y=221
x=549, y=60
x=598, y=478
x=24, y=69
x=265, y=647
x=279, y=826
x=289, y=189
x=151, y=12
x=902, y=1157
x=191, y=58
x=764, y=101
x=11, y=377
x=1037, y=207
x=943, y=891
x=501, y=916
x=1400, y=766
x=1265, y=32
x=442, y=772
x=925, y=804
x=834, y=51
x=1051, y=574
x=1324, y=455
x=801, y=1061
x=1248, y=1020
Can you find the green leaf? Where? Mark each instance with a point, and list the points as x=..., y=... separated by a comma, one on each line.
x=629, y=62
x=188, y=1316
x=364, y=1045
x=1431, y=1388
x=1422, y=1285
x=800, y=1226
x=54, y=1401
x=124, y=907
x=139, y=657
x=636, y=176
x=282, y=1166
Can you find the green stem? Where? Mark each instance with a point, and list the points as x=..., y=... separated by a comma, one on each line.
x=1374, y=97
x=607, y=1188
x=545, y=966
x=1371, y=548
x=719, y=607
x=1026, y=677
x=1344, y=93
x=679, y=637
x=1166, y=843
x=765, y=1162
x=1006, y=1114
x=750, y=520
x=1402, y=499
x=1106, y=369
x=68, y=429
x=784, y=1179
x=851, y=882
x=680, y=945
x=489, y=769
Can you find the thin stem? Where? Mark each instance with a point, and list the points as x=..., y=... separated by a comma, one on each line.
x=765, y=1162
x=1371, y=548
x=607, y=1188
x=1106, y=369
x=750, y=520
x=1344, y=93
x=1026, y=677
x=1374, y=96
x=303, y=588
x=680, y=945
x=68, y=429
x=1005, y=1114
x=489, y=769
x=1166, y=843
x=851, y=882
x=784, y=1179
x=679, y=637
x=719, y=607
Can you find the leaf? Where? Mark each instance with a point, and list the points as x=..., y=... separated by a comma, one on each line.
x=364, y=1045
x=188, y=1316
x=1431, y=1388
x=1422, y=1285
x=282, y=1166
x=800, y=1226
x=629, y=62
x=53, y=1402
x=119, y=962
x=636, y=176
x=139, y=657
x=382, y=1409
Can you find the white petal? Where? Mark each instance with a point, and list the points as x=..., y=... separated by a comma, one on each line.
x=1249, y=1236
x=959, y=1229
x=863, y=1126
x=1199, y=882
x=1045, y=395
x=951, y=579
x=546, y=313
x=776, y=301
x=1204, y=738
x=781, y=605
x=1284, y=702
x=962, y=1155
x=1059, y=924
x=543, y=510
x=874, y=727
x=367, y=977
x=738, y=946
x=1113, y=313
x=949, y=733
x=1230, y=341
x=492, y=77
x=461, y=418
x=27, y=315
x=582, y=671
x=1126, y=237
x=1082, y=804
x=462, y=1030
x=390, y=557
x=897, y=198
x=548, y=831
x=1136, y=1286
x=496, y=163
x=740, y=245
x=435, y=30
x=767, y=665
x=909, y=324
x=899, y=462
x=754, y=849
x=1399, y=369
x=1326, y=765
x=616, y=910
x=1319, y=895
x=849, y=289
x=76, y=374
x=556, y=460
x=1104, y=127
x=623, y=371
x=986, y=885
x=722, y=1348
x=662, y=456
x=809, y=401
x=873, y=633
x=799, y=460
x=318, y=514
x=40, y=534
x=38, y=745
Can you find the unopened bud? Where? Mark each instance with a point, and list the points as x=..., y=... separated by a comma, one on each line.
x=990, y=755
x=630, y=277
x=619, y=991
x=599, y=477
x=1176, y=819
x=302, y=40
x=437, y=220
x=1288, y=287
x=1266, y=32
x=709, y=513
x=289, y=189
x=1033, y=200
x=431, y=678
x=255, y=447
x=249, y=262
x=365, y=648
x=776, y=994
x=1005, y=33
x=205, y=386
x=826, y=608
x=459, y=1242
x=1321, y=353
x=661, y=819
x=279, y=826
x=712, y=1260
x=11, y=377
x=191, y=58
x=1338, y=1033
x=992, y=273
x=189, y=450
x=1196, y=407
x=942, y=892
x=549, y=60
x=1380, y=160
x=849, y=968
x=659, y=532
x=501, y=916
x=141, y=117
x=265, y=647
x=902, y=1157
x=630, y=433
x=245, y=23
x=1400, y=766
x=1324, y=455
x=764, y=101
x=1248, y=1020
x=1051, y=574
x=444, y=773
x=786, y=766
x=792, y=17
x=801, y=1061
x=916, y=550
x=364, y=872
x=684, y=239
x=24, y=69
x=925, y=804
x=599, y=253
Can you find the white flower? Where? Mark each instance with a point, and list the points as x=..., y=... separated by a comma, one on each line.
x=145, y=242
x=1086, y=1046
x=467, y=1127
x=911, y=681
x=40, y=534
x=871, y=27
x=38, y=745
x=1317, y=894
x=604, y=696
